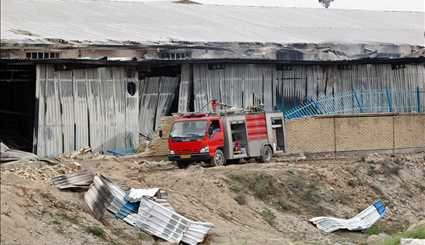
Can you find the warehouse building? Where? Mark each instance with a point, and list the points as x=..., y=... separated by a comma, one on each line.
x=105, y=76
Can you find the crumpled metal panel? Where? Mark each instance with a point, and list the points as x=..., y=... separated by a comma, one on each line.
x=166, y=223
x=148, y=215
x=7, y=154
x=361, y=221
x=81, y=179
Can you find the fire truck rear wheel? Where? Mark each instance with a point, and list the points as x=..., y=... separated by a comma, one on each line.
x=218, y=159
x=266, y=154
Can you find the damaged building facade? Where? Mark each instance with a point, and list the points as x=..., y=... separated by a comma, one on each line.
x=105, y=77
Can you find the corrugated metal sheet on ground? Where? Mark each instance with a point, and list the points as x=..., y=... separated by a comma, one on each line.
x=81, y=179
x=361, y=221
x=148, y=214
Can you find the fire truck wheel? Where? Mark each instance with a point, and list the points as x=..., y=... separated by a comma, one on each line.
x=183, y=164
x=266, y=154
x=218, y=159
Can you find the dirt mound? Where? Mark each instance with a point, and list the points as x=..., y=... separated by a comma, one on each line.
x=248, y=203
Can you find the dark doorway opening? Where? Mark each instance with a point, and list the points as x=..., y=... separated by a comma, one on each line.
x=17, y=100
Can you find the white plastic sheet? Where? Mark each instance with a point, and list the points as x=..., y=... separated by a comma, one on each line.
x=135, y=195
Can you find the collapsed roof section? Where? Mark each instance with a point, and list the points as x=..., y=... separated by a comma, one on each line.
x=213, y=31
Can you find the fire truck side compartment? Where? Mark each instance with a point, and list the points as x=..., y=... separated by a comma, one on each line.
x=276, y=131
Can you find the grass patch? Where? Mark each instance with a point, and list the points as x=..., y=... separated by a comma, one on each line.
x=268, y=216
x=73, y=220
x=417, y=233
x=374, y=230
x=291, y=194
x=55, y=222
x=95, y=230
x=261, y=186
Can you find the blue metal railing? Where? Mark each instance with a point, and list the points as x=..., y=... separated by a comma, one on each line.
x=361, y=101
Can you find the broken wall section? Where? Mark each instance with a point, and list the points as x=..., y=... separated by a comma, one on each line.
x=157, y=96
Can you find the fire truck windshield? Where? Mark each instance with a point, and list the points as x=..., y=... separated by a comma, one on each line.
x=191, y=129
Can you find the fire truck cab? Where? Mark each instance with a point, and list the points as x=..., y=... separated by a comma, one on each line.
x=219, y=137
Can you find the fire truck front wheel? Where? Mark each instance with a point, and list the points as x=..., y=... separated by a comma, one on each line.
x=183, y=163
x=218, y=159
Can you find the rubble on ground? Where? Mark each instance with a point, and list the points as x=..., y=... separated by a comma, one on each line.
x=248, y=203
x=43, y=172
x=158, y=146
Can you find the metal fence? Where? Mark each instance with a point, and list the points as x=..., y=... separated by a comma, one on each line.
x=361, y=101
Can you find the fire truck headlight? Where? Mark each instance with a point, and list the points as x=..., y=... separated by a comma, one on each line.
x=205, y=149
x=171, y=152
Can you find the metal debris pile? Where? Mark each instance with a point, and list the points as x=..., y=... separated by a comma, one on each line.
x=145, y=209
x=362, y=221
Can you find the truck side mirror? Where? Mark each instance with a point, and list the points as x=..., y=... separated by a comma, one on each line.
x=210, y=131
x=160, y=133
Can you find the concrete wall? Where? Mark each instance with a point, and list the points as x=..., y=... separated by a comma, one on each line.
x=395, y=132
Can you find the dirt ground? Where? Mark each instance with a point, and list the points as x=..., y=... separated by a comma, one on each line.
x=248, y=203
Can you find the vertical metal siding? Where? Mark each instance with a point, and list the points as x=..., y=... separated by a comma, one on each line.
x=132, y=115
x=81, y=85
x=236, y=84
x=185, y=89
x=84, y=107
x=284, y=88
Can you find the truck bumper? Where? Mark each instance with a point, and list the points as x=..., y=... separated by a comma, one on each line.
x=193, y=157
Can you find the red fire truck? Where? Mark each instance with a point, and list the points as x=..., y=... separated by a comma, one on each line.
x=228, y=136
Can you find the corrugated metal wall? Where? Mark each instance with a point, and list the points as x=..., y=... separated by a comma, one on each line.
x=284, y=86
x=233, y=84
x=82, y=107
